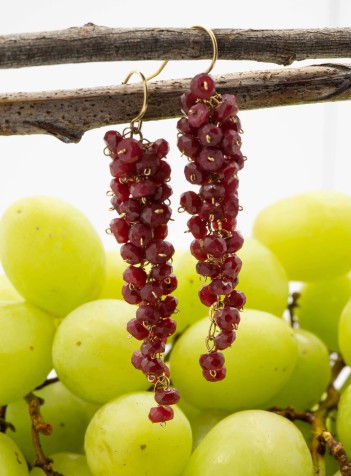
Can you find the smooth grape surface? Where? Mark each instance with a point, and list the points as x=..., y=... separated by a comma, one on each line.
x=25, y=349
x=203, y=422
x=68, y=464
x=92, y=351
x=51, y=254
x=309, y=233
x=12, y=462
x=310, y=377
x=344, y=333
x=320, y=306
x=121, y=440
x=7, y=291
x=343, y=420
x=252, y=442
x=259, y=363
x=113, y=282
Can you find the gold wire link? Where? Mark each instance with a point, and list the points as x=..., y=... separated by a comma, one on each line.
x=138, y=119
x=214, y=45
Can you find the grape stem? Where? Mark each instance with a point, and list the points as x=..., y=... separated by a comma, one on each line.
x=4, y=425
x=292, y=305
x=40, y=427
x=47, y=382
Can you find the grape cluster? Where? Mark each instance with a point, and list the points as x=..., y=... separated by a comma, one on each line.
x=140, y=196
x=209, y=135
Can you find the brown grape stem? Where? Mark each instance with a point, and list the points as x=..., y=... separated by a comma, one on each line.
x=40, y=427
x=4, y=425
x=47, y=382
x=292, y=305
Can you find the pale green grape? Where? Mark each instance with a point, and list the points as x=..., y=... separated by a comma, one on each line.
x=262, y=278
x=189, y=410
x=12, y=462
x=7, y=291
x=25, y=349
x=121, y=440
x=252, y=442
x=320, y=306
x=68, y=415
x=344, y=333
x=92, y=351
x=343, y=420
x=310, y=376
x=51, y=254
x=69, y=464
x=113, y=282
x=309, y=233
x=203, y=422
x=259, y=363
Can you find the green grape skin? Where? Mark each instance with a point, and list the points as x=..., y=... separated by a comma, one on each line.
x=92, y=351
x=344, y=333
x=343, y=419
x=7, y=291
x=68, y=415
x=25, y=349
x=203, y=422
x=113, y=282
x=68, y=464
x=320, y=306
x=51, y=254
x=258, y=365
x=310, y=234
x=12, y=461
x=252, y=442
x=310, y=377
x=269, y=294
x=120, y=439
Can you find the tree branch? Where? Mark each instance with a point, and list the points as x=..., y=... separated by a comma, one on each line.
x=98, y=43
x=68, y=114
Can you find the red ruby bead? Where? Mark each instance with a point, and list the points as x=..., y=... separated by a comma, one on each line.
x=120, y=190
x=227, y=318
x=131, y=294
x=207, y=269
x=152, y=366
x=148, y=165
x=202, y=86
x=137, y=330
x=131, y=254
x=194, y=175
x=210, y=159
x=135, y=275
x=152, y=347
x=119, y=228
x=164, y=328
x=198, y=115
x=224, y=340
x=163, y=173
x=219, y=287
x=231, y=267
x=162, y=192
x=184, y=127
x=206, y=296
x=159, y=251
x=140, y=235
x=191, y=202
x=112, y=139
x=147, y=313
x=151, y=292
x=215, y=246
x=231, y=187
x=188, y=145
x=210, y=135
x=212, y=191
x=235, y=242
x=136, y=359
x=161, y=271
x=161, y=232
x=229, y=224
x=231, y=205
x=233, y=123
x=231, y=143
x=187, y=100
x=168, y=396
x=121, y=170
x=131, y=209
x=129, y=150
x=156, y=214
x=212, y=361
x=160, y=147
x=235, y=299
x=197, y=227
x=214, y=375
x=197, y=250
x=169, y=284
x=144, y=188
x=161, y=414
x=168, y=306
x=211, y=212
x=227, y=108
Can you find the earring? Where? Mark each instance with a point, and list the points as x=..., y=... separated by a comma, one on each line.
x=209, y=135
x=141, y=198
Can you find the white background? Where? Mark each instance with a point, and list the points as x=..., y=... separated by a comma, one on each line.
x=290, y=149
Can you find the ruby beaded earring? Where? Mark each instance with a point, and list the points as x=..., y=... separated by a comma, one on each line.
x=209, y=135
x=141, y=198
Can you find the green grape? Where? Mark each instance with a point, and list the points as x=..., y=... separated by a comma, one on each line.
x=68, y=415
x=269, y=294
x=310, y=376
x=25, y=349
x=7, y=291
x=344, y=333
x=252, y=442
x=121, y=440
x=189, y=410
x=68, y=464
x=92, y=351
x=203, y=422
x=12, y=462
x=309, y=233
x=259, y=364
x=51, y=254
x=343, y=420
x=113, y=283
x=320, y=306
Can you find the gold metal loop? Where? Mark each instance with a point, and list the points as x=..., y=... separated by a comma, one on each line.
x=156, y=73
x=138, y=119
x=214, y=45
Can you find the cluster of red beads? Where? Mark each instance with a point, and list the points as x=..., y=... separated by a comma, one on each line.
x=140, y=195
x=210, y=138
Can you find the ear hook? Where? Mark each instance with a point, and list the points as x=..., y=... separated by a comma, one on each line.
x=214, y=45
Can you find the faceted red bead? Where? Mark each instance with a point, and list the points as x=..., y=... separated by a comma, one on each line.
x=231, y=187
x=169, y=284
x=191, y=202
x=164, y=328
x=161, y=232
x=131, y=294
x=184, y=127
x=235, y=299
x=188, y=145
x=210, y=135
x=198, y=115
x=144, y=188
x=197, y=227
x=231, y=143
x=227, y=108
x=227, y=318
x=129, y=150
x=168, y=306
x=224, y=340
x=119, y=228
x=229, y=171
x=163, y=173
x=238, y=159
x=151, y=292
x=156, y=214
x=214, y=375
x=148, y=165
x=168, y=396
x=147, y=313
x=159, y=251
x=152, y=366
x=120, y=190
x=212, y=361
x=210, y=159
x=215, y=246
x=231, y=267
x=202, y=86
x=135, y=275
x=233, y=123
x=206, y=296
x=162, y=192
x=219, y=287
x=152, y=346
x=160, y=147
x=136, y=359
x=137, y=330
x=194, y=175
x=121, y=170
x=208, y=269
x=112, y=139
x=140, y=235
x=161, y=414
x=197, y=250
x=229, y=224
x=130, y=209
x=211, y=212
x=187, y=100
x=212, y=191
x=131, y=253
x=161, y=271
x=235, y=242
x=231, y=205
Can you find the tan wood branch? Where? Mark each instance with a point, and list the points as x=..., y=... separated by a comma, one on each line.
x=91, y=43
x=68, y=114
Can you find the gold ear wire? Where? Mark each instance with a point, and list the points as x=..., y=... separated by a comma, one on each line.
x=214, y=45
